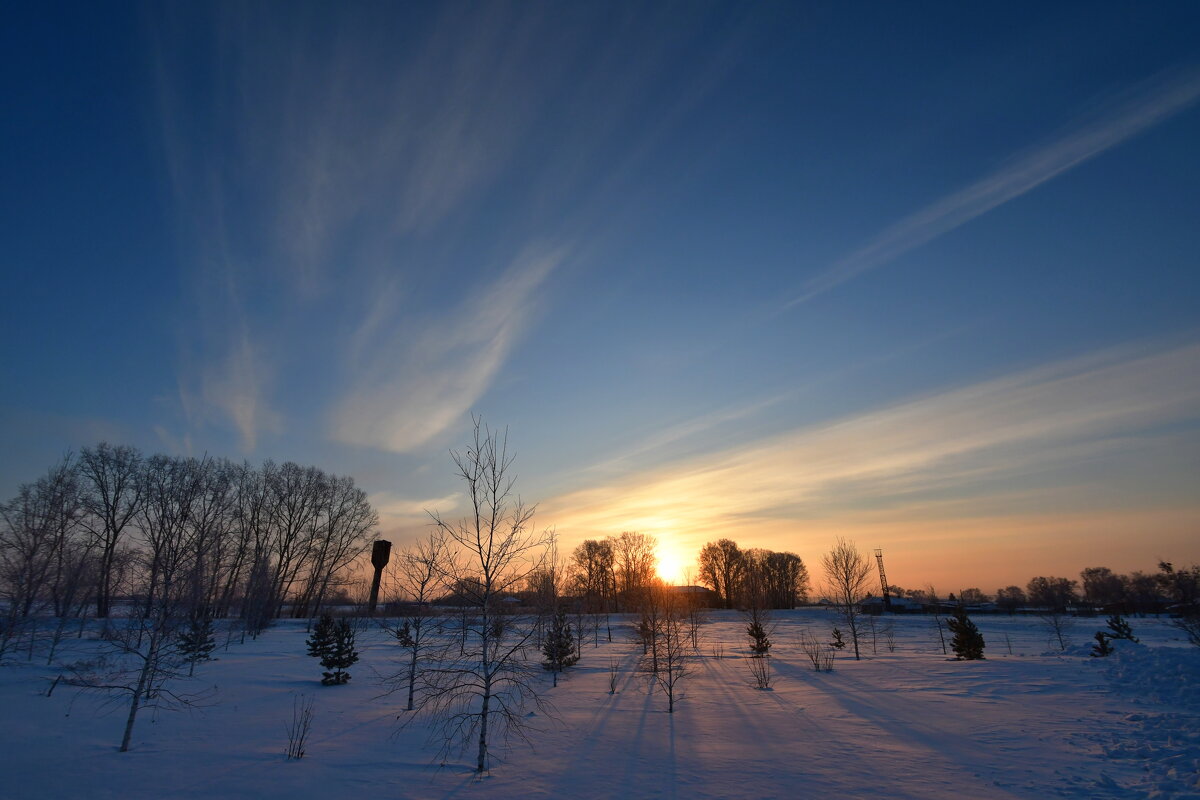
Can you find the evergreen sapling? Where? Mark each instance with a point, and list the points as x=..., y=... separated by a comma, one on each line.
x=1102, y=647
x=838, y=642
x=560, y=645
x=968, y=641
x=197, y=641
x=760, y=642
x=333, y=643
x=1119, y=627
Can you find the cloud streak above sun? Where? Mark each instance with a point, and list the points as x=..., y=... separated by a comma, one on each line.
x=917, y=458
x=1137, y=112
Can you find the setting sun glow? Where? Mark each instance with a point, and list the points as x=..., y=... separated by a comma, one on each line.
x=673, y=564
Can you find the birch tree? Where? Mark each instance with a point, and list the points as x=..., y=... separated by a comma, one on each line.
x=479, y=695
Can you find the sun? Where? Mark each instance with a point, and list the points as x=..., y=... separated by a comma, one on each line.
x=672, y=567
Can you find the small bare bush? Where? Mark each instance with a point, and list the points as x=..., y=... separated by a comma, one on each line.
x=818, y=654
x=1189, y=625
x=302, y=714
x=760, y=671
x=1058, y=626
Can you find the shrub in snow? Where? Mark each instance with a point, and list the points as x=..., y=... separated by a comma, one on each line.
x=760, y=671
x=196, y=641
x=968, y=641
x=1119, y=629
x=820, y=656
x=559, y=645
x=838, y=642
x=1101, y=648
x=1189, y=623
x=760, y=642
x=302, y=714
x=333, y=643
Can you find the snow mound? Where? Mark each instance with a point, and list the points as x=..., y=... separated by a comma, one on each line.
x=1165, y=737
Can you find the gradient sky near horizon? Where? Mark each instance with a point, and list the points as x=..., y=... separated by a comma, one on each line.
x=922, y=275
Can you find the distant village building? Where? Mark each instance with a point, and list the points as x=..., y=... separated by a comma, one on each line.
x=900, y=605
x=700, y=596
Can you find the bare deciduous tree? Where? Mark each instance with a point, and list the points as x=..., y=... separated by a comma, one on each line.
x=1058, y=625
x=113, y=494
x=634, y=566
x=819, y=654
x=722, y=564
x=667, y=641
x=420, y=570
x=480, y=694
x=846, y=578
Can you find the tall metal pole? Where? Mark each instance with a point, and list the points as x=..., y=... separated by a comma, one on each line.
x=887, y=600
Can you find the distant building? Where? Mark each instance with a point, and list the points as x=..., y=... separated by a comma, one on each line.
x=698, y=595
x=900, y=605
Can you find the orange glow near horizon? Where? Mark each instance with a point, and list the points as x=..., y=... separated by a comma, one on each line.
x=1039, y=472
x=674, y=565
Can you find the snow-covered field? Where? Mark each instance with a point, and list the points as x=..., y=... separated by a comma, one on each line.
x=905, y=724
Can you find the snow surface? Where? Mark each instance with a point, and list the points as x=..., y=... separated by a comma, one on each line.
x=905, y=724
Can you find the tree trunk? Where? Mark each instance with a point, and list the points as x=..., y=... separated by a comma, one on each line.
x=412, y=677
x=135, y=701
x=481, y=762
x=133, y=709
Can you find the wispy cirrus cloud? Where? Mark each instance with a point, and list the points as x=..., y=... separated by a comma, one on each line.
x=420, y=379
x=327, y=172
x=1137, y=111
x=972, y=441
x=398, y=509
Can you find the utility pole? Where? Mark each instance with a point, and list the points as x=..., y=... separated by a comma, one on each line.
x=887, y=600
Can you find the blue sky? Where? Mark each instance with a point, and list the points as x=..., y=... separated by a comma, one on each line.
x=922, y=275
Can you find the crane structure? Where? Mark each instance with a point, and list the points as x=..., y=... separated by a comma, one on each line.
x=887, y=600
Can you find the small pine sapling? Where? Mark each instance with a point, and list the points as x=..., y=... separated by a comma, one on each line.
x=760, y=642
x=404, y=636
x=968, y=641
x=321, y=640
x=1102, y=647
x=197, y=640
x=838, y=642
x=559, y=646
x=1119, y=627
x=333, y=643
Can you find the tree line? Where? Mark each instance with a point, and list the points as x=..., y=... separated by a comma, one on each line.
x=112, y=525
x=1097, y=588
x=754, y=577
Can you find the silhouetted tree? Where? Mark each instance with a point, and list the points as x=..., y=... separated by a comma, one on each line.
x=634, y=566
x=967, y=641
x=1102, y=587
x=112, y=492
x=481, y=691
x=1118, y=628
x=1010, y=598
x=559, y=646
x=1051, y=593
x=846, y=577
x=196, y=640
x=420, y=568
x=722, y=565
x=333, y=643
